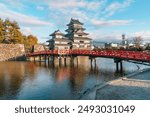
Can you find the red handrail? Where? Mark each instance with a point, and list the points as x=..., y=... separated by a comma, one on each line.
x=134, y=55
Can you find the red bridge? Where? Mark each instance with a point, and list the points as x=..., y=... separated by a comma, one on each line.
x=120, y=54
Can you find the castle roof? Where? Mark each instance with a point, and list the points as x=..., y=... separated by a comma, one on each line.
x=57, y=32
x=62, y=44
x=80, y=32
x=82, y=38
x=75, y=21
x=71, y=28
x=64, y=39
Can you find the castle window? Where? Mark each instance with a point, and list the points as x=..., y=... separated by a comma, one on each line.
x=81, y=46
x=81, y=41
x=56, y=48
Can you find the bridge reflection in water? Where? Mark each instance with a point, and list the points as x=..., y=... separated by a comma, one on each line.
x=80, y=75
x=29, y=80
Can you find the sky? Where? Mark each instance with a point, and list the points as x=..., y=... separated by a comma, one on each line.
x=104, y=20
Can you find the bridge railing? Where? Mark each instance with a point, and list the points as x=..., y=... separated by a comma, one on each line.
x=134, y=55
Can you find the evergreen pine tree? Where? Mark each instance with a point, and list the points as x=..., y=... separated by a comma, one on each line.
x=10, y=34
x=17, y=36
x=7, y=31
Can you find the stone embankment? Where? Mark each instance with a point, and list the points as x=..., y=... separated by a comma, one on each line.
x=11, y=51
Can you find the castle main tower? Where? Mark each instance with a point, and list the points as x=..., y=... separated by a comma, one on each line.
x=76, y=34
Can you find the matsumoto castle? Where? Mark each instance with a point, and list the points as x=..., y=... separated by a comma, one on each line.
x=75, y=38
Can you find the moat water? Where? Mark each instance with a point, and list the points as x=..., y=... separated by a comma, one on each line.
x=35, y=81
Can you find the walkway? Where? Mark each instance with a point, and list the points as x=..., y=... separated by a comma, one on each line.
x=135, y=87
x=124, y=90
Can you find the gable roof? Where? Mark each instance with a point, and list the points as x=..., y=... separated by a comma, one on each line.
x=57, y=32
x=75, y=21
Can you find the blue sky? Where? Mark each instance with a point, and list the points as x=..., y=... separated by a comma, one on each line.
x=103, y=19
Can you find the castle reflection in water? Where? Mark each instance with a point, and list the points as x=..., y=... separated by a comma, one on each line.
x=28, y=80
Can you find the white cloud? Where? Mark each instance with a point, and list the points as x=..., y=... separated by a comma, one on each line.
x=17, y=4
x=75, y=13
x=83, y=10
x=26, y=30
x=117, y=6
x=23, y=19
x=40, y=8
x=104, y=36
x=116, y=36
x=144, y=34
x=67, y=9
x=59, y=4
x=60, y=12
x=110, y=22
x=64, y=10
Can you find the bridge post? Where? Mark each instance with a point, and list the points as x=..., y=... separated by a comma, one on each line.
x=53, y=61
x=117, y=66
x=65, y=63
x=77, y=61
x=34, y=59
x=48, y=59
x=93, y=59
x=91, y=63
x=59, y=61
x=95, y=62
x=117, y=61
x=121, y=66
x=40, y=58
x=45, y=57
x=72, y=60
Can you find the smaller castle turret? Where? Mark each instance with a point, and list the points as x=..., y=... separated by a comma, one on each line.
x=58, y=41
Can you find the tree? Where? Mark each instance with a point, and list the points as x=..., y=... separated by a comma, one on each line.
x=147, y=47
x=7, y=31
x=11, y=32
x=32, y=40
x=1, y=30
x=17, y=36
x=137, y=41
x=29, y=42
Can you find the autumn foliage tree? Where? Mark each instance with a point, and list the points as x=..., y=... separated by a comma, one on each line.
x=30, y=41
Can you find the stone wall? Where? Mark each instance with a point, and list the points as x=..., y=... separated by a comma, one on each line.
x=11, y=51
